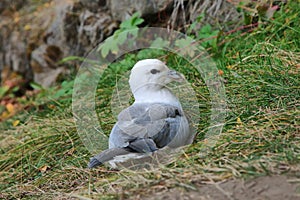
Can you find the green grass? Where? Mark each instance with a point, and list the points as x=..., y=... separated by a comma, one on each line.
x=261, y=135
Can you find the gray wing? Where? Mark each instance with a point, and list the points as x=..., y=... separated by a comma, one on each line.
x=147, y=127
x=107, y=155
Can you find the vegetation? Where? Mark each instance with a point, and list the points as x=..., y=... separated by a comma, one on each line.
x=43, y=157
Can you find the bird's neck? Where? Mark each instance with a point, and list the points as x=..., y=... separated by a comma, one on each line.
x=155, y=95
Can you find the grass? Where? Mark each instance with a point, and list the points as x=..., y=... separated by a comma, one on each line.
x=44, y=158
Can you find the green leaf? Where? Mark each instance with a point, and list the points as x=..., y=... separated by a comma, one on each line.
x=15, y=89
x=122, y=37
x=132, y=22
x=205, y=29
x=159, y=43
x=186, y=46
x=110, y=44
x=137, y=21
x=3, y=90
x=126, y=24
x=105, y=50
x=71, y=58
x=184, y=42
x=36, y=86
x=59, y=94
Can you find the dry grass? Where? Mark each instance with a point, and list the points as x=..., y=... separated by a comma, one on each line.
x=43, y=158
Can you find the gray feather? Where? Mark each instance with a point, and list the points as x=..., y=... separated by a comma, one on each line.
x=144, y=128
x=107, y=155
x=158, y=121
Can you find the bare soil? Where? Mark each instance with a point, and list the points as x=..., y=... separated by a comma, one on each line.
x=277, y=187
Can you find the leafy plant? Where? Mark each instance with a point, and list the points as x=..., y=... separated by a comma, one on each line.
x=65, y=90
x=209, y=36
x=112, y=43
x=261, y=135
x=206, y=34
x=3, y=91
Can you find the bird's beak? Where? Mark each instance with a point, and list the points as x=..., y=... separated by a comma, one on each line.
x=175, y=76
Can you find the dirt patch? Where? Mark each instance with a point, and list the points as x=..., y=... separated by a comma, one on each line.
x=261, y=188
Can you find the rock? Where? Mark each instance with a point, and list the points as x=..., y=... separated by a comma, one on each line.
x=44, y=64
x=35, y=37
x=94, y=5
x=122, y=10
x=93, y=28
x=13, y=53
x=34, y=44
x=45, y=57
x=74, y=31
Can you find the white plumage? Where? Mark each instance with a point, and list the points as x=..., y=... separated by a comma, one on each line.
x=154, y=121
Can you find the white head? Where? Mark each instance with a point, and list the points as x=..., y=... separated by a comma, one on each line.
x=148, y=80
x=152, y=74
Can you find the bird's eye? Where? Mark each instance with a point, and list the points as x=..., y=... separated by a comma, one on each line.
x=154, y=71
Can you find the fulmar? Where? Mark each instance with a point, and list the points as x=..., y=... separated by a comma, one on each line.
x=154, y=121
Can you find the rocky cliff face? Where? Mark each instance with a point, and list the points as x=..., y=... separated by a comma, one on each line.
x=35, y=36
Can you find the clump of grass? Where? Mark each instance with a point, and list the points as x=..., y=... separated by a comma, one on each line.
x=44, y=156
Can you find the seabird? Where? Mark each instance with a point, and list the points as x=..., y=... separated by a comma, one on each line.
x=154, y=121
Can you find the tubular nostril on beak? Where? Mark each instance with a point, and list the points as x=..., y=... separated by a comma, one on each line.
x=172, y=73
x=175, y=75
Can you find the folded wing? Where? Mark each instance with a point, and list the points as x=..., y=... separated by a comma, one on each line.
x=144, y=128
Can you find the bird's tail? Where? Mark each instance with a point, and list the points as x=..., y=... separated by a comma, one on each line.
x=138, y=146
x=107, y=155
